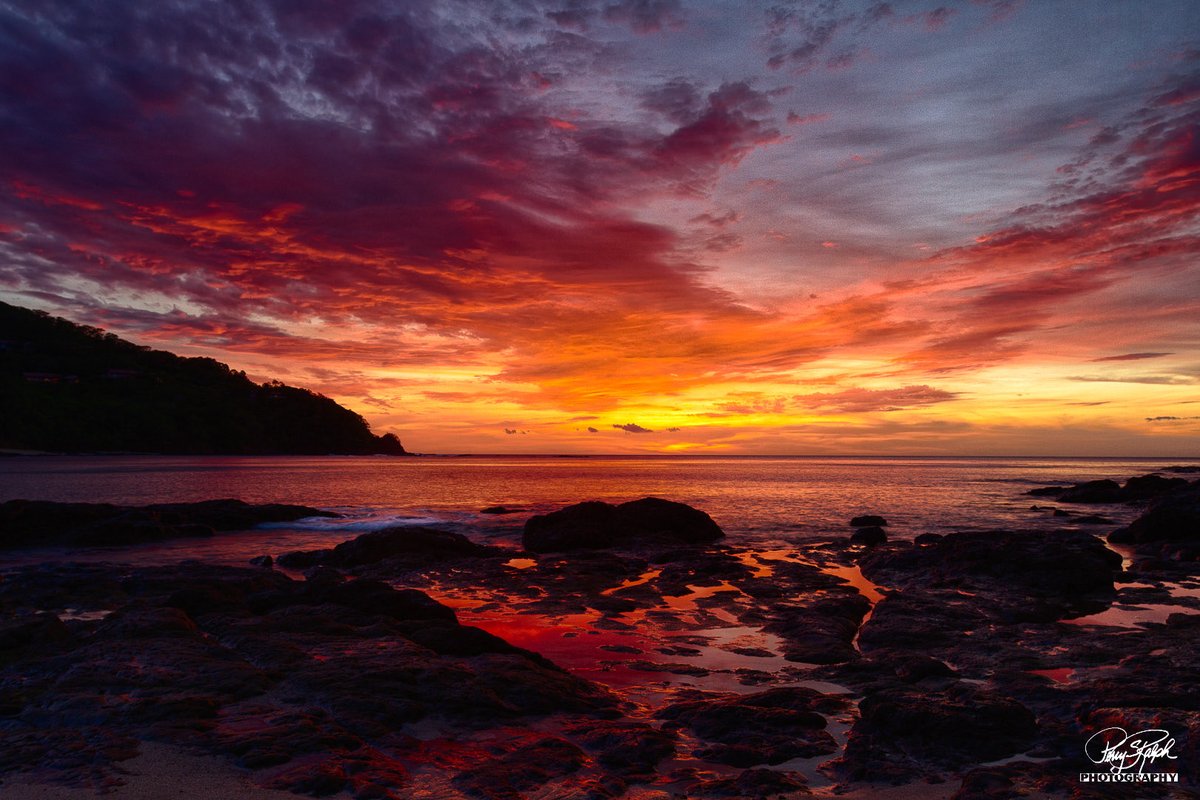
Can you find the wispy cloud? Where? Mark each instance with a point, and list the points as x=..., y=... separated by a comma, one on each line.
x=1132, y=357
x=1152, y=380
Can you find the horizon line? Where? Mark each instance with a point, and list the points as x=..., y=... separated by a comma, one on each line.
x=17, y=453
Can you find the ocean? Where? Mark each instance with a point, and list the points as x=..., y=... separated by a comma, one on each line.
x=761, y=502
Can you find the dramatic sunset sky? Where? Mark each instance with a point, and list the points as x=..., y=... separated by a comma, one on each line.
x=633, y=225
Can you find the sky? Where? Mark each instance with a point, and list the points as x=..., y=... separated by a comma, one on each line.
x=633, y=226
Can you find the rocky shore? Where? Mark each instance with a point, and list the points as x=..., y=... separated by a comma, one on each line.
x=34, y=523
x=616, y=651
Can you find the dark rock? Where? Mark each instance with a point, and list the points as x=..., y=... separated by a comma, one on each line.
x=985, y=783
x=868, y=521
x=953, y=728
x=135, y=527
x=139, y=622
x=869, y=537
x=1146, y=487
x=36, y=523
x=653, y=518
x=295, y=676
x=235, y=515
x=922, y=622
x=679, y=650
x=500, y=510
x=1060, y=570
x=589, y=525
x=1158, y=674
x=641, y=665
x=266, y=562
x=915, y=667
x=1058, y=778
x=420, y=542
x=890, y=668
x=1102, y=491
x=769, y=727
x=609, y=604
x=322, y=576
x=753, y=652
x=523, y=769
x=37, y=630
x=218, y=591
x=928, y=538
x=526, y=688
x=683, y=569
x=1174, y=518
x=376, y=597
x=632, y=749
x=321, y=779
x=752, y=784
x=32, y=523
x=821, y=629
x=595, y=525
x=464, y=640
x=261, y=735
x=302, y=559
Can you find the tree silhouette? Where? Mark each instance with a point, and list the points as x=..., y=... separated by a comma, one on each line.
x=74, y=388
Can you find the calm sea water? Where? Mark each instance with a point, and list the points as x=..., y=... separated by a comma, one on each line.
x=759, y=501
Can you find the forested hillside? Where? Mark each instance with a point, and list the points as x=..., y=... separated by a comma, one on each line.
x=72, y=388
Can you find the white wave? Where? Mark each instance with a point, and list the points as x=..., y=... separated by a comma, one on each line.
x=357, y=524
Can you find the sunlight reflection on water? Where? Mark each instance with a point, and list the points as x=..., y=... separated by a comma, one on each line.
x=758, y=501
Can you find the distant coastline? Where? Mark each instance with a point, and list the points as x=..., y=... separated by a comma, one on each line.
x=73, y=389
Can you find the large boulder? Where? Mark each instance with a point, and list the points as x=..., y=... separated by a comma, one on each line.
x=870, y=536
x=1146, y=487
x=1175, y=517
x=409, y=543
x=1103, y=491
x=595, y=525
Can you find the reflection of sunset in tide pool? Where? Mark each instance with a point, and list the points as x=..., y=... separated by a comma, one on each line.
x=689, y=640
x=1060, y=675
